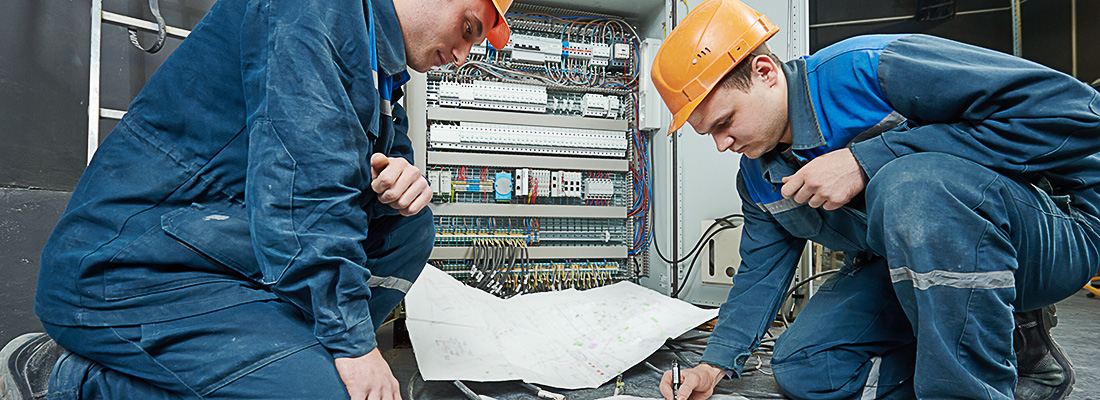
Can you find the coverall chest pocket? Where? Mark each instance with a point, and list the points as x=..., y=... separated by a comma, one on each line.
x=219, y=235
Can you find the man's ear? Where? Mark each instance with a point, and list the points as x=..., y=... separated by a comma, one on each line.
x=764, y=68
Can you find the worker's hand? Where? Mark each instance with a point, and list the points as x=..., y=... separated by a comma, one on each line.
x=828, y=181
x=399, y=184
x=695, y=383
x=368, y=377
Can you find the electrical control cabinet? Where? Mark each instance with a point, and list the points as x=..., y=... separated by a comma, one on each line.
x=539, y=171
x=549, y=158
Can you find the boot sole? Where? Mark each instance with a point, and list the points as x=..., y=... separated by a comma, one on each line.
x=10, y=386
x=1050, y=321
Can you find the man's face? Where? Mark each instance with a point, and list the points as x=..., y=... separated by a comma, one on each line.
x=751, y=123
x=438, y=32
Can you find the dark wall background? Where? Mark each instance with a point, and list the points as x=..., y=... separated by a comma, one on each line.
x=1045, y=27
x=44, y=81
x=44, y=56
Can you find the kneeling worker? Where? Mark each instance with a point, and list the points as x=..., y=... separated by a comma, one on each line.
x=256, y=215
x=963, y=184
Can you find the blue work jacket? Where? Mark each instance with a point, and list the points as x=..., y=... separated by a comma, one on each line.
x=240, y=173
x=885, y=96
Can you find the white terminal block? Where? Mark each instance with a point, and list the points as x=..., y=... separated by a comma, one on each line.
x=433, y=181
x=601, y=50
x=556, y=184
x=573, y=184
x=479, y=49
x=595, y=105
x=445, y=182
x=522, y=182
x=494, y=96
x=540, y=182
x=527, y=139
x=598, y=188
x=613, y=106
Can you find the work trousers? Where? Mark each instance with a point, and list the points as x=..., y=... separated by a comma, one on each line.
x=258, y=350
x=961, y=247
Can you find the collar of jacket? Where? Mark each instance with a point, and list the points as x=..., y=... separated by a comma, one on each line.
x=388, y=38
x=805, y=132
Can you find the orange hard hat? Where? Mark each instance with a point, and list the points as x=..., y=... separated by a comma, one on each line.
x=498, y=35
x=709, y=42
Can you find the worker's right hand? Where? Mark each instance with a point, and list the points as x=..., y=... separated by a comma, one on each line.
x=368, y=377
x=399, y=184
x=695, y=383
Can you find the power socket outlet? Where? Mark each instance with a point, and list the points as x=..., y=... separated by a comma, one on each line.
x=721, y=255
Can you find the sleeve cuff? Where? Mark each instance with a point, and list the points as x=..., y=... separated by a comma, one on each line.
x=731, y=360
x=354, y=342
x=379, y=209
x=872, y=154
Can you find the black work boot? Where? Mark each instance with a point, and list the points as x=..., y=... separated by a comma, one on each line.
x=25, y=366
x=1043, y=369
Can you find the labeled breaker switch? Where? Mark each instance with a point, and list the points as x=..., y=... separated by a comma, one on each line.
x=433, y=181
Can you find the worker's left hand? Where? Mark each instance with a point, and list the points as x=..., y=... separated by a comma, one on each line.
x=828, y=181
x=368, y=377
x=399, y=184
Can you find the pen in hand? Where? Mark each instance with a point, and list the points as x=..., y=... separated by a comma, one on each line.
x=675, y=379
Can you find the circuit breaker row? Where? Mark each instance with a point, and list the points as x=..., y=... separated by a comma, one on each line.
x=525, y=182
x=520, y=97
x=527, y=139
x=614, y=55
x=551, y=232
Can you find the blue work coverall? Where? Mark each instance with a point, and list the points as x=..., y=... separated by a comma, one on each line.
x=982, y=199
x=225, y=241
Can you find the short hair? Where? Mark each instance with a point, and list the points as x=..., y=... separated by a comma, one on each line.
x=740, y=77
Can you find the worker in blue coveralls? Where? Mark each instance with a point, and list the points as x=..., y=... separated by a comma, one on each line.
x=256, y=215
x=962, y=185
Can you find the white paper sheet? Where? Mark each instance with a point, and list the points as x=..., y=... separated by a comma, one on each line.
x=714, y=397
x=566, y=339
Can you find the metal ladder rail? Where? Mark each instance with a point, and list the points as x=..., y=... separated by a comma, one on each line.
x=99, y=17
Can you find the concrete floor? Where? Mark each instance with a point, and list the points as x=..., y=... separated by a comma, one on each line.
x=1078, y=332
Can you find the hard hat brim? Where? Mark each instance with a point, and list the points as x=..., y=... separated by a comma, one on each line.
x=681, y=117
x=498, y=36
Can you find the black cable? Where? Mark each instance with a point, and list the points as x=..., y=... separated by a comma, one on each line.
x=412, y=385
x=782, y=313
x=466, y=391
x=691, y=266
x=697, y=244
x=162, y=28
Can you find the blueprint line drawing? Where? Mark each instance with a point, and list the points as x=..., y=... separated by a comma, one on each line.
x=567, y=339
